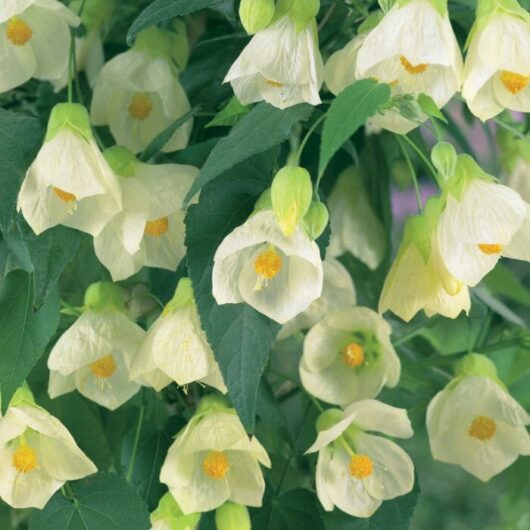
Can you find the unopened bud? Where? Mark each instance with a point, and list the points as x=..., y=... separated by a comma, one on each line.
x=444, y=158
x=104, y=295
x=256, y=15
x=231, y=516
x=316, y=219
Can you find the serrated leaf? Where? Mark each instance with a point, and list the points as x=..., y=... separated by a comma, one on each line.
x=230, y=115
x=101, y=501
x=349, y=110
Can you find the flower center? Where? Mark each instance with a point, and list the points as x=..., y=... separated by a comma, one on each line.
x=24, y=459
x=513, y=82
x=482, y=428
x=140, y=106
x=157, y=228
x=268, y=264
x=18, y=31
x=64, y=195
x=104, y=367
x=274, y=84
x=353, y=355
x=410, y=68
x=361, y=466
x=215, y=465
x=490, y=249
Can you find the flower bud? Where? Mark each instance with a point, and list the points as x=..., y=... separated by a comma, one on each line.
x=169, y=515
x=121, y=160
x=72, y=115
x=475, y=364
x=103, y=295
x=444, y=158
x=301, y=12
x=212, y=402
x=316, y=219
x=231, y=516
x=256, y=15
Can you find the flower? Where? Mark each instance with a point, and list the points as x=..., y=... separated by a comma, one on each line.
x=35, y=41
x=348, y=356
x=95, y=354
x=277, y=275
x=357, y=471
x=149, y=231
x=355, y=227
x=169, y=516
x=176, y=348
x=69, y=182
x=212, y=460
x=497, y=73
x=338, y=291
x=138, y=94
x=37, y=454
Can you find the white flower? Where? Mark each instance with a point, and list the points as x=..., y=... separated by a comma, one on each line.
x=476, y=424
x=34, y=40
x=69, y=182
x=348, y=356
x=176, y=348
x=357, y=471
x=354, y=226
x=277, y=275
x=280, y=65
x=338, y=291
x=212, y=461
x=37, y=456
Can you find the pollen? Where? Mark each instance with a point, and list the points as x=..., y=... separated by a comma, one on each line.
x=140, y=106
x=268, y=264
x=513, y=82
x=361, y=466
x=25, y=459
x=64, y=195
x=490, y=249
x=274, y=84
x=216, y=465
x=482, y=428
x=157, y=228
x=18, y=31
x=353, y=355
x=104, y=368
x=410, y=68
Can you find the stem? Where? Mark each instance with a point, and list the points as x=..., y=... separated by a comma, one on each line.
x=425, y=160
x=71, y=62
x=412, y=174
x=312, y=129
x=327, y=16
x=136, y=440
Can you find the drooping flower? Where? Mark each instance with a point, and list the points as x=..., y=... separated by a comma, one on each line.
x=176, y=348
x=138, y=93
x=169, y=516
x=37, y=454
x=357, y=471
x=95, y=354
x=149, y=231
x=69, y=183
x=34, y=41
x=277, y=275
x=475, y=423
x=213, y=460
x=348, y=356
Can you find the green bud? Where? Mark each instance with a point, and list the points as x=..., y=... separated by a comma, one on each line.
x=183, y=296
x=157, y=42
x=329, y=418
x=232, y=516
x=256, y=15
x=212, y=402
x=264, y=202
x=96, y=13
x=169, y=512
x=291, y=194
x=121, y=160
x=444, y=158
x=475, y=364
x=69, y=115
x=104, y=295
x=301, y=12
x=316, y=219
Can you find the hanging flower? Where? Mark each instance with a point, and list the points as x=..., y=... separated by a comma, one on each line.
x=278, y=275
x=176, y=348
x=37, y=454
x=94, y=356
x=69, y=183
x=357, y=471
x=348, y=356
x=213, y=460
x=138, y=94
x=169, y=516
x=149, y=231
x=35, y=41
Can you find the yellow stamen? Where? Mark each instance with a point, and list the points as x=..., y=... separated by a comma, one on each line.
x=157, y=228
x=268, y=264
x=361, y=466
x=490, y=249
x=513, y=82
x=140, y=106
x=410, y=68
x=215, y=465
x=18, y=31
x=104, y=368
x=353, y=355
x=274, y=84
x=25, y=459
x=482, y=428
x=64, y=195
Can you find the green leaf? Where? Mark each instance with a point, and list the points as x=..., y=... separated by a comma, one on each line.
x=230, y=115
x=162, y=10
x=100, y=502
x=430, y=108
x=241, y=338
x=20, y=139
x=501, y=281
x=262, y=128
x=349, y=110
x=23, y=332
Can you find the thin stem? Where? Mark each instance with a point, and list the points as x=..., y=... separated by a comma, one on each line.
x=136, y=440
x=71, y=62
x=327, y=16
x=312, y=129
x=425, y=160
x=81, y=8
x=412, y=174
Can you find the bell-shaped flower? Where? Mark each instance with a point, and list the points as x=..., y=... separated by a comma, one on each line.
x=278, y=275
x=149, y=231
x=213, y=460
x=34, y=41
x=418, y=278
x=476, y=424
x=37, y=454
x=169, y=516
x=348, y=356
x=497, y=73
x=138, y=94
x=95, y=354
x=282, y=63
x=481, y=222
x=176, y=347
x=356, y=470
x=355, y=228
x=69, y=183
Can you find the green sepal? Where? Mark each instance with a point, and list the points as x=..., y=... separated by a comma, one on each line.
x=22, y=396
x=121, y=160
x=232, y=516
x=444, y=159
x=69, y=115
x=328, y=419
x=171, y=514
x=316, y=220
x=465, y=171
x=439, y=5
x=157, y=42
x=96, y=14
x=103, y=296
x=301, y=12
x=183, y=297
x=256, y=15
x=211, y=403
x=264, y=202
x=475, y=364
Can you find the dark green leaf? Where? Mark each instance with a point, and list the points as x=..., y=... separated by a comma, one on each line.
x=230, y=115
x=501, y=281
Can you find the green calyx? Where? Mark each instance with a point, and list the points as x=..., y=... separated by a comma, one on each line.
x=96, y=13
x=104, y=295
x=301, y=12
x=212, y=403
x=316, y=219
x=439, y=5
x=122, y=161
x=475, y=364
x=232, y=516
x=444, y=159
x=23, y=396
x=69, y=116
x=370, y=348
x=264, y=202
x=256, y=15
x=328, y=419
x=171, y=45
x=183, y=296
x=465, y=171
x=170, y=513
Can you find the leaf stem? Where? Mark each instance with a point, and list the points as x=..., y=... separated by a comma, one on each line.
x=311, y=130
x=136, y=441
x=425, y=160
x=412, y=174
